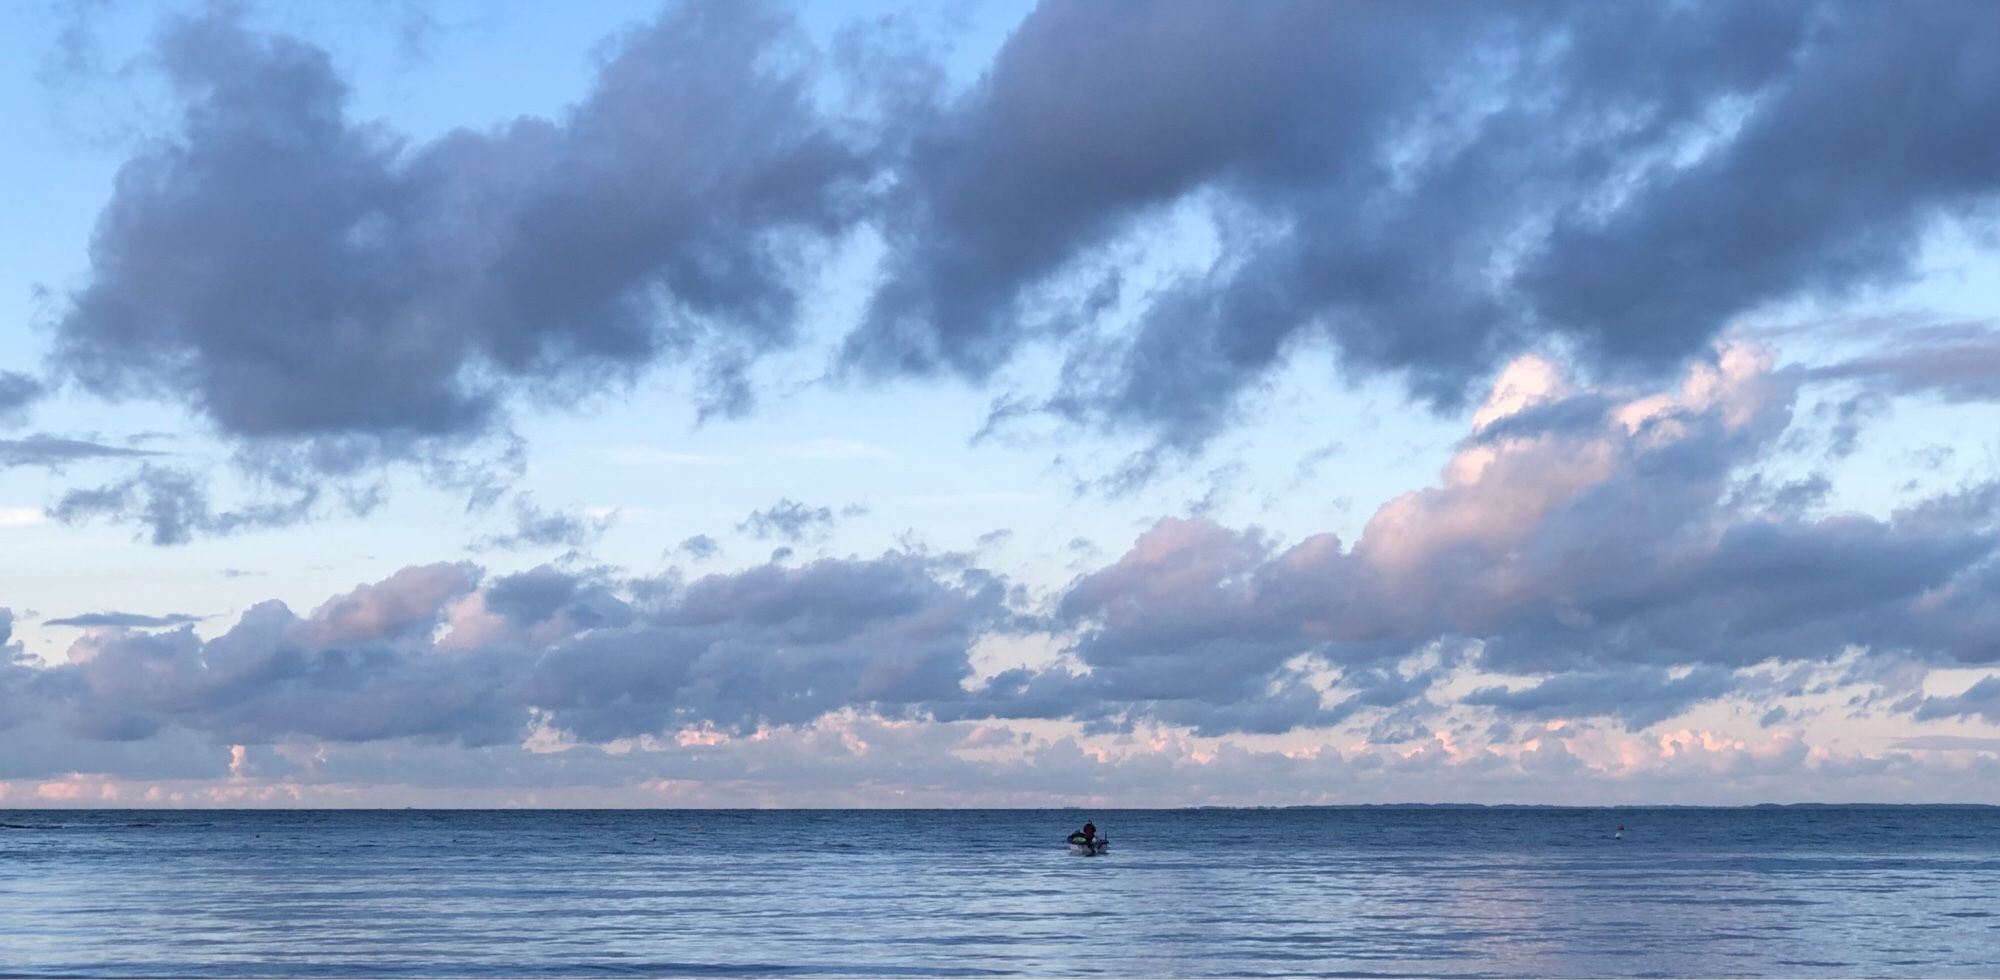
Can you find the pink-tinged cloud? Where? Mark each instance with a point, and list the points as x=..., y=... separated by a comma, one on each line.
x=1588, y=557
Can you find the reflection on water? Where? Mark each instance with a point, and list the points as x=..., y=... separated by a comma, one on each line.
x=1455, y=892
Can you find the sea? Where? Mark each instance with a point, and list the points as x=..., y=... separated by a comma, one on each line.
x=1809, y=891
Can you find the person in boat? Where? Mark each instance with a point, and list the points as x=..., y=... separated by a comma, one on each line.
x=1089, y=832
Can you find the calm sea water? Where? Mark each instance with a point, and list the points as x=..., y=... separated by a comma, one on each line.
x=1861, y=891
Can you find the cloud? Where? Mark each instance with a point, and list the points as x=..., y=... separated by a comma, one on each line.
x=1421, y=191
x=1981, y=700
x=1084, y=121
x=295, y=275
x=433, y=653
x=795, y=674
x=1949, y=743
x=789, y=520
x=858, y=761
x=1639, y=696
x=1434, y=193
x=1425, y=190
x=1828, y=182
x=124, y=620
x=17, y=392
x=700, y=547
x=1965, y=368
x=1595, y=547
x=407, y=604
x=1609, y=553
x=783, y=646
x=541, y=594
x=23, y=686
x=173, y=505
x=538, y=528
x=1168, y=628
x=54, y=452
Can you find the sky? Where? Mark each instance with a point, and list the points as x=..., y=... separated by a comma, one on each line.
x=999, y=403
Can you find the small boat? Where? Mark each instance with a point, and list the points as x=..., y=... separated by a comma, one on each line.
x=1078, y=844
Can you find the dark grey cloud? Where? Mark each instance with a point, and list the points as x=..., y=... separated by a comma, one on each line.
x=789, y=520
x=1407, y=723
x=124, y=620
x=354, y=669
x=1827, y=186
x=535, y=527
x=778, y=645
x=1269, y=703
x=263, y=678
x=173, y=506
x=700, y=547
x=1790, y=497
x=1981, y=700
x=17, y=392
x=294, y=274
x=1089, y=117
x=1425, y=189
x=545, y=594
x=1637, y=696
x=54, y=452
x=1845, y=435
x=1960, y=369
x=1575, y=414
x=23, y=686
x=1153, y=635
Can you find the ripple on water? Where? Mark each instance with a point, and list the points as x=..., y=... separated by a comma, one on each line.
x=1331, y=892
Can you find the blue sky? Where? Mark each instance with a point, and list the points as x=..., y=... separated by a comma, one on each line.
x=997, y=403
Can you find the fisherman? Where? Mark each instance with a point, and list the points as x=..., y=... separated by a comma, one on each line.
x=1089, y=832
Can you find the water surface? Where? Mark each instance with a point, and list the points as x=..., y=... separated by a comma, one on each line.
x=1848, y=891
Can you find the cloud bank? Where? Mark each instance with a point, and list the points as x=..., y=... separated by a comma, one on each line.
x=1587, y=563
